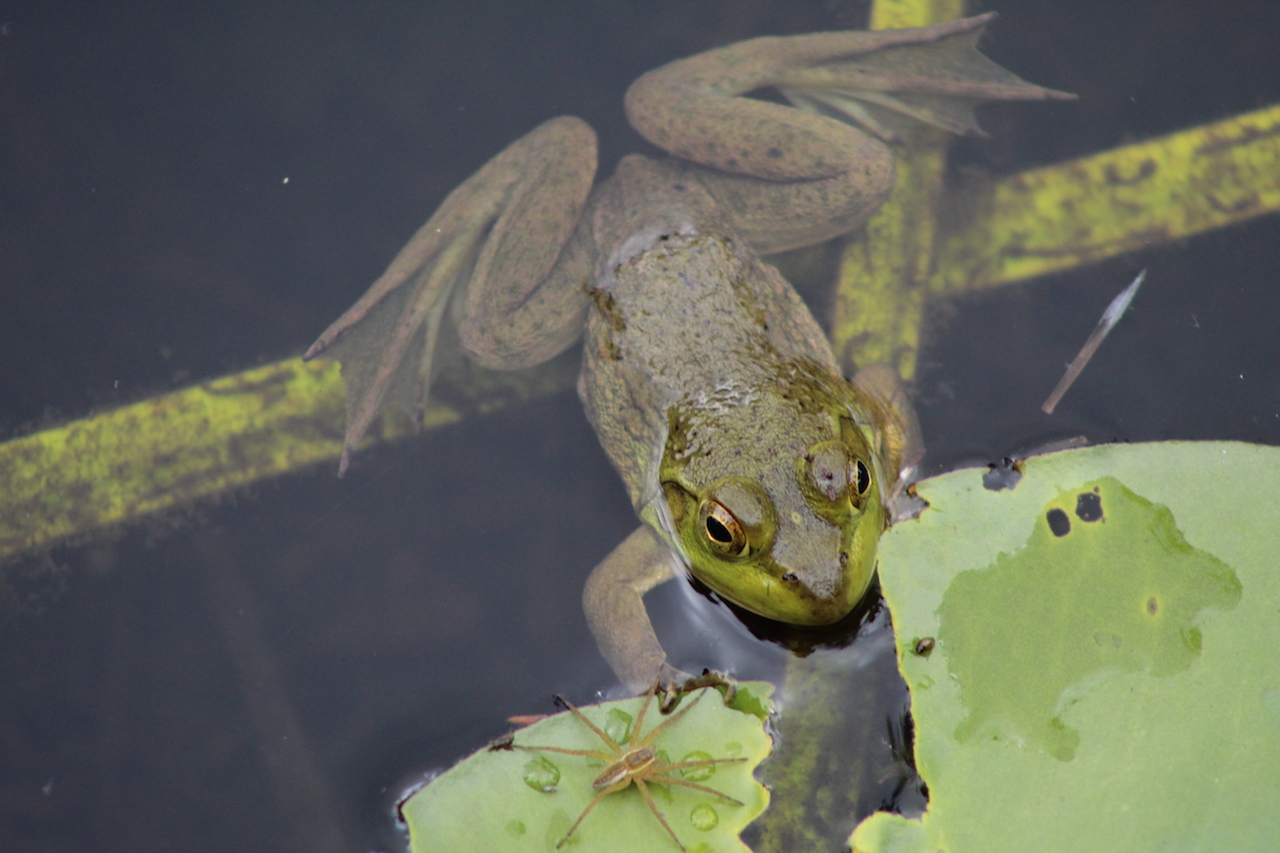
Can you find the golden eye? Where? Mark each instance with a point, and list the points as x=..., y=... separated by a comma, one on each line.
x=724, y=532
x=860, y=478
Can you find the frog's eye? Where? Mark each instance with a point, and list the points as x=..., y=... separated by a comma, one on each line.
x=859, y=478
x=725, y=534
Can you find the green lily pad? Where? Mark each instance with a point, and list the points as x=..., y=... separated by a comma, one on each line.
x=511, y=799
x=1094, y=654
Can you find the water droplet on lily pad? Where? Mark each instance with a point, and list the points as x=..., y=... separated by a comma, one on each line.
x=617, y=725
x=704, y=817
x=541, y=775
x=698, y=774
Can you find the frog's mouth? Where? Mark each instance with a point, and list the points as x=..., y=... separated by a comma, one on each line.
x=800, y=638
x=814, y=595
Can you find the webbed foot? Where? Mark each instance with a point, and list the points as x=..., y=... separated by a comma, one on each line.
x=934, y=75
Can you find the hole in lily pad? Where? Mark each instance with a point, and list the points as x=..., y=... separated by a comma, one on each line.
x=1089, y=506
x=1058, y=522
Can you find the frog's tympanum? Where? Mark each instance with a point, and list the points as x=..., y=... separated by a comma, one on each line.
x=755, y=465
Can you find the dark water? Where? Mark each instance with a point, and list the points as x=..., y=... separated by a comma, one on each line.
x=264, y=673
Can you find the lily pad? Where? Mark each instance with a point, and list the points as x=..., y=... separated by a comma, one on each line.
x=1092, y=654
x=512, y=799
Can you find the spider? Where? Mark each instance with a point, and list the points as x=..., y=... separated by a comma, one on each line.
x=636, y=763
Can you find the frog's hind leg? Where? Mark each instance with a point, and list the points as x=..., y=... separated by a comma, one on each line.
x=791, y=177
x=531, y=197
x=927, y=75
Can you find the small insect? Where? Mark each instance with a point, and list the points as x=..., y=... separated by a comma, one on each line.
x=637, y=762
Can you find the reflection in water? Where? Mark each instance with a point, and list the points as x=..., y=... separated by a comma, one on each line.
x=299, y=787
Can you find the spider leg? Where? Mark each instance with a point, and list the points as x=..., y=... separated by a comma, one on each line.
x=587, y=753
x=617, y=750
x=591, y=805
x=669, y=720
x=648, y=798
x=635, y=730
x=684, y=765
x=667, y=780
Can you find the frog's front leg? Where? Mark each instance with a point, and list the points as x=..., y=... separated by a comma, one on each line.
x=614, y=603
x=504, y=248
x=790, y=177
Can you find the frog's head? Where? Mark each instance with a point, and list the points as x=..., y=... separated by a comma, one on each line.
x=782, y=520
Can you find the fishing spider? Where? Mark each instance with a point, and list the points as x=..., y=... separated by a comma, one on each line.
x=636, y=763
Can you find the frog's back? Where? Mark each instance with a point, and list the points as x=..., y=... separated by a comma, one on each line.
x=682, y=309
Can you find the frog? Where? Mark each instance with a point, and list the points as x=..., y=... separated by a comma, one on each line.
x=754, y=465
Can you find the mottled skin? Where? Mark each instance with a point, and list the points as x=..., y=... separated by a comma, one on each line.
x=753, y=463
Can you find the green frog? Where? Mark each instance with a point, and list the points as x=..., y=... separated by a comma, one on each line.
x=753, y=463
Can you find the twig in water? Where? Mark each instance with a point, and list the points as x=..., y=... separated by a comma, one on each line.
x=1109, y=318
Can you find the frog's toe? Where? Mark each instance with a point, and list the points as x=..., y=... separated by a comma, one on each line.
x=674, y=683
x=931, y=75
